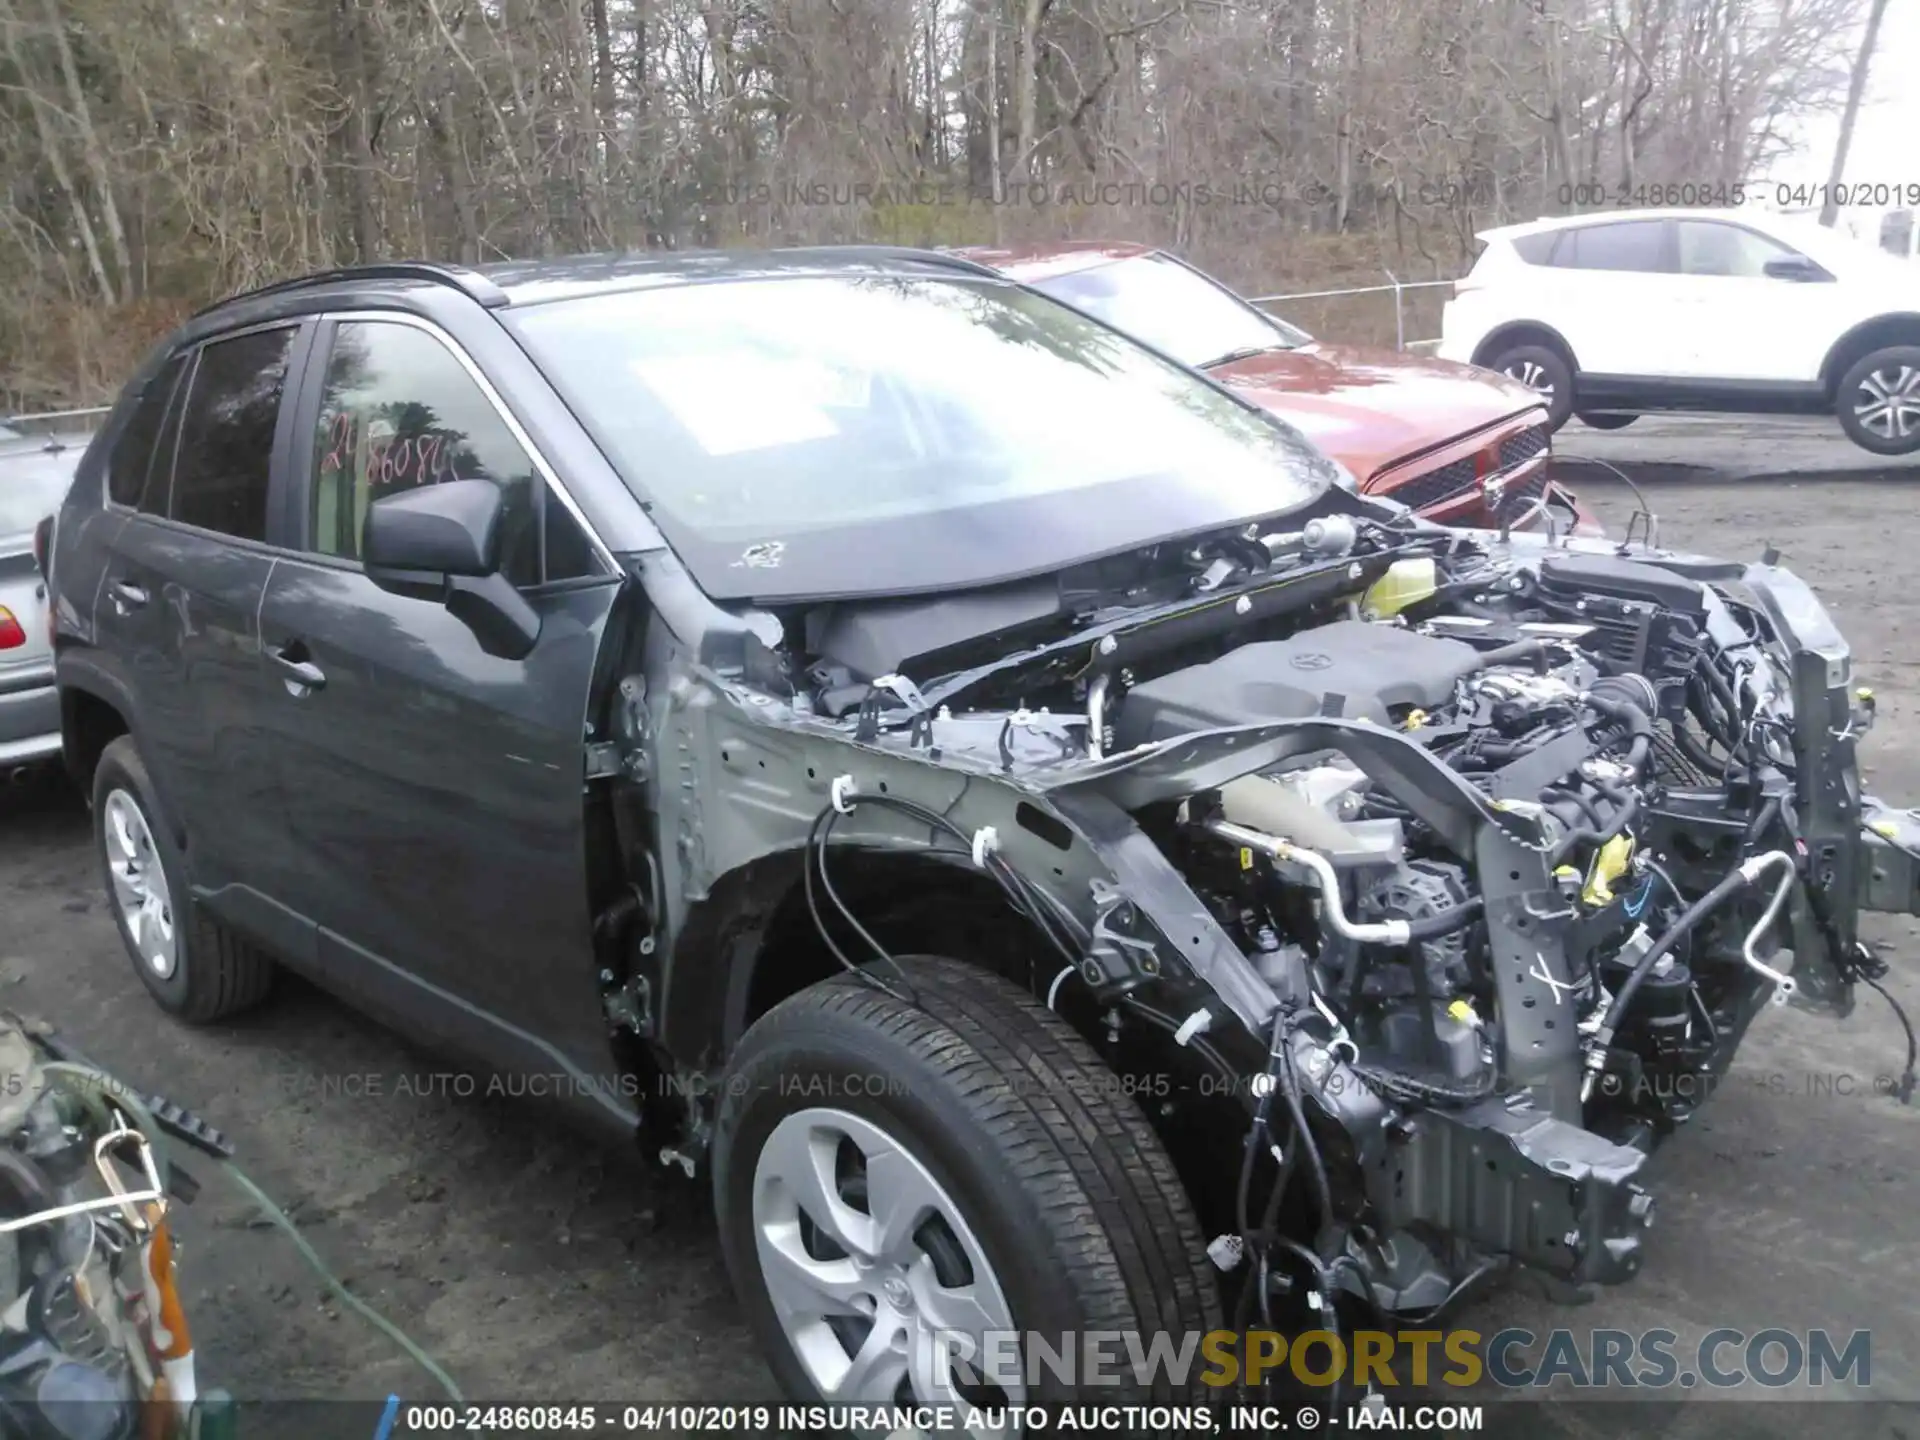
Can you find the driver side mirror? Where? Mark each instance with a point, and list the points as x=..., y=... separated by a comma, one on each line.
x=1794, y=267
x=442, y=542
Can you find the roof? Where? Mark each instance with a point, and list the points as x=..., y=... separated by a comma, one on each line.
x=1029, y=263
x=1608, y=217
x=523, y=282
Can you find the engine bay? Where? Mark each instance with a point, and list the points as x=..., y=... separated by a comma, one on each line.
x=1461, y=862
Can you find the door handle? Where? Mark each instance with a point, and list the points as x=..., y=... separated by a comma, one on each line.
x=296, y=669
x=127, y=596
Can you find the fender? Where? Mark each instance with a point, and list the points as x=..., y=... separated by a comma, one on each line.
x=1901, y=327
x=1485, y=349
x=84, y=671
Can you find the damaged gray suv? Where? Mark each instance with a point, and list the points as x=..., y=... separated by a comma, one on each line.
x=978, y=791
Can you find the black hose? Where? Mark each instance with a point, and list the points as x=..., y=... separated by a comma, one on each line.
x=1556, y=795
x=1507, y=654
x=1628, y=712
x=1290, y=1087
x=1903, y=1091
x=1445, y=922
x=1767, y=814
x=1722, y=691
x=1677, y=932
x=1626, y=806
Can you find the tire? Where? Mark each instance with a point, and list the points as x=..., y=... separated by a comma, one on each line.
x=1544, y=371
x=189, y=963
x=1054, y=1193
x=1878, y=401
x=1607, y=420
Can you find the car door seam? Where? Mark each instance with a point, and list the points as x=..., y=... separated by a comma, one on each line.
x=260, y=607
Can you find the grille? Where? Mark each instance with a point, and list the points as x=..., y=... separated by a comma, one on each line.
x=1445, y=483
x=1523, y=445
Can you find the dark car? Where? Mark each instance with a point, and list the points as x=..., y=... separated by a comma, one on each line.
x=35, y=470
x=970, y=786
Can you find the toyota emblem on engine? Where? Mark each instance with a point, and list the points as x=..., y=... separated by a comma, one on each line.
x=1312, y=660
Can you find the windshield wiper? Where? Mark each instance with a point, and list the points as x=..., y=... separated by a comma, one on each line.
x=1245, y=352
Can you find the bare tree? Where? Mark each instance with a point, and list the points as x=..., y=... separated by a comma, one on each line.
x=1856, y=88
x=154, y=153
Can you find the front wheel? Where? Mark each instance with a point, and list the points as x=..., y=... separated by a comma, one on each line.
x=1878, y=401
x=1544, y=371
x=906, y=1192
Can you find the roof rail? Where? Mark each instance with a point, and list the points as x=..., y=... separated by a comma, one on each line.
x=472, y=282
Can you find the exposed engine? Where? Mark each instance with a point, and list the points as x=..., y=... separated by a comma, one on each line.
x=1501, y=844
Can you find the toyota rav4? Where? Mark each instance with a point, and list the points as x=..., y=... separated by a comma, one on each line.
x=971, y=787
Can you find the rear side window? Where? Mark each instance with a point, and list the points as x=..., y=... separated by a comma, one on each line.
x=221, y=470
x=1639, y=245
x=133, y=462
x=1536, y=249
x=398, y=411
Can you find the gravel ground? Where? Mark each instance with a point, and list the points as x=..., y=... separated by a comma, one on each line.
x=536, y=1266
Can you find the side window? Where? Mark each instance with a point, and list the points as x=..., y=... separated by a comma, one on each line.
x=1537, y=248
x=398, y=411
x=226, y=434
x=1638, y=245
x=1710, y=248
x=135, y=454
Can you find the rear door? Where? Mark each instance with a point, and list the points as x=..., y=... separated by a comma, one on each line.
x=1609, y=288
x=180, y=602
x=435, y=792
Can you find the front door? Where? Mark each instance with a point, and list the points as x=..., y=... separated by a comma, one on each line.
x=1749, y=326
x=434, y=791
x=1606, y=284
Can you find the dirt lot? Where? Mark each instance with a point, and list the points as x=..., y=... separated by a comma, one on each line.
x=537, y=1267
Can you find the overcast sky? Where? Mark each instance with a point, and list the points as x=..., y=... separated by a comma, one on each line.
x=1884, y=149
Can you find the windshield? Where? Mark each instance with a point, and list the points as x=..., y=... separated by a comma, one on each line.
x=846, y=434
x=1174, y=308
x=32, y=485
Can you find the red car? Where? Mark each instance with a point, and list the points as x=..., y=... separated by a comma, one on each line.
x=1461, y=445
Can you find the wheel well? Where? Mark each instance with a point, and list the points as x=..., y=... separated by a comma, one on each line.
x=88, y=725
x=1525, y=332
x=911, y=904
x=1862, y=340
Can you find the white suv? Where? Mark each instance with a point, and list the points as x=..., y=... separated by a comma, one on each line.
x=1614, y=314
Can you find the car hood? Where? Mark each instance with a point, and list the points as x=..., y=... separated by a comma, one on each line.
x=1368, y=408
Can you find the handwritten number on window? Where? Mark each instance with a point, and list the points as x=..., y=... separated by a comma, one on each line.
x=391, y=460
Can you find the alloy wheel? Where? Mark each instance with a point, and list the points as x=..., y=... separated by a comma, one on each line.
x=872, y=1269
x=1532, y=375
x=140, y=894
x=1887, y=402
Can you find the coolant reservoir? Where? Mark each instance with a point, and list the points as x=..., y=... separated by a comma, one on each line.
x=1407, y=582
